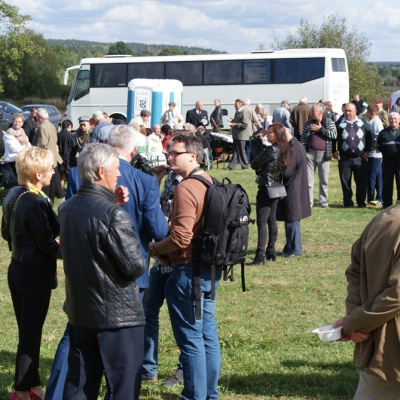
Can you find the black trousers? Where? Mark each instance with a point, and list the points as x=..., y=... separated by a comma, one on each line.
x=30, y=287
x=266, y=216
x=54, y=189
x=117, y=352
x=358, y=168
x=390, y=170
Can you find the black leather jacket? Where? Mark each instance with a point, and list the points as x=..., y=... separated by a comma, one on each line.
x=102, y=259
x=270, y=162
x=32, y=231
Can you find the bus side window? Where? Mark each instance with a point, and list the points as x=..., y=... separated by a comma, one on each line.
x=82, y=84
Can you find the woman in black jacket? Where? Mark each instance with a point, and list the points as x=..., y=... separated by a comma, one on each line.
x=30, y=227
x=269, y=166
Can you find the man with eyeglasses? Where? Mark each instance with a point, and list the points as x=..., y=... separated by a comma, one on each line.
x=197, y=339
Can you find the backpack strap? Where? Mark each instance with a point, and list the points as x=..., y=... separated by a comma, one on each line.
x=202, y=179
x=196, y=275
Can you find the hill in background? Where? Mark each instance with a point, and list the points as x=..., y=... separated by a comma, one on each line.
x=84, y=48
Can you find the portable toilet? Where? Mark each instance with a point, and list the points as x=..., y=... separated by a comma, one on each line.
x=153, y=95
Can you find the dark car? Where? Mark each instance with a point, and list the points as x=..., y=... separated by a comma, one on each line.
x=54, y=114
x=7, y=110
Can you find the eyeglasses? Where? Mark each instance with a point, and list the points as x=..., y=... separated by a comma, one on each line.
x=174, y=154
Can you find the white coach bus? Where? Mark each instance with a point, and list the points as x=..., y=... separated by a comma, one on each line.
x=262, y=77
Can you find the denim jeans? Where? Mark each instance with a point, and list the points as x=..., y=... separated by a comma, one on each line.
x=152, y=304
x=375, y=178
x=197, y=339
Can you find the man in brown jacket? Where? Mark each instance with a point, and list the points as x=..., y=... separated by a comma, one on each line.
x=46, y=138
x=372, y=318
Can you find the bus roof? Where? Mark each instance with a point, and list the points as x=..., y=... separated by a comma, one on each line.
x=307, y=53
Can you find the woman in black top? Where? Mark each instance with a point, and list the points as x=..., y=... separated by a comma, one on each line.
x=30, y=227
x=269, y=166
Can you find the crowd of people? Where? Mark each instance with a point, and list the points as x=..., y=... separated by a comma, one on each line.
x=114, y=220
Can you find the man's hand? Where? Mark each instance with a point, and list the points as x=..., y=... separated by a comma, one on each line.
x=356, y=337
x=335, y=155
x=122, y=194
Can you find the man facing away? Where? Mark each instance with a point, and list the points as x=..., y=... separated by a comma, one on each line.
x=299, y=116
x=46, y=138
x=374, y=158
x=372, y=318
x=197, y=339
x=316, y=138
x=102, y=260
x=281, y=115
x=102, y=128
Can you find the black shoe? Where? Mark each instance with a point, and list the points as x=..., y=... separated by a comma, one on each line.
x=258, y=259
x=271, y=254
x=175, y=379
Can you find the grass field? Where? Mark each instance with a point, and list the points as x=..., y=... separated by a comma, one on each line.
x=268, y=350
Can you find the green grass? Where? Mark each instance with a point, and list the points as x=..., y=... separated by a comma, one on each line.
x=268, y=350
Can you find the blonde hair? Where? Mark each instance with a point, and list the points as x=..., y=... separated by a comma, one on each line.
x=32, y=160
x=18, y=115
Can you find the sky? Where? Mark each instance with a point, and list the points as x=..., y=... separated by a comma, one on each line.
x=234, y=26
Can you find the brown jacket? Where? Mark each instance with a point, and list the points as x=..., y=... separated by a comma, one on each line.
x=187, y=210
x=373, y=300
x=46, y=138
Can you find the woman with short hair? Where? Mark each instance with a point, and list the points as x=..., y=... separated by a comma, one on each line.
x=30, y=227
x=15, y=140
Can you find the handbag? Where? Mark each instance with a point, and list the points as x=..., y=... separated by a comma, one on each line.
x=8, y=176
x=277, y=191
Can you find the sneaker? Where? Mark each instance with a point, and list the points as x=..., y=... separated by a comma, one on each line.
x=175, y=379
x=149, y=378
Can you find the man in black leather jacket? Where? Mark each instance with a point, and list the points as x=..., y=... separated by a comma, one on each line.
x=102, y=261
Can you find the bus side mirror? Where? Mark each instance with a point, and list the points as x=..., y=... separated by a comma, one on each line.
x=224, y=111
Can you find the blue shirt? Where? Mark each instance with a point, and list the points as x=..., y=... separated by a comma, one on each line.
x=143, y=207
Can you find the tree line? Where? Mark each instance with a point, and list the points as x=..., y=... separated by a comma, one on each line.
x=31, y=66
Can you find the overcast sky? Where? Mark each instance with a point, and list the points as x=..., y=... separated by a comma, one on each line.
x=234, y=26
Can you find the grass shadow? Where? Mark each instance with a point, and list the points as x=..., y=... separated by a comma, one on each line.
x=327, y=381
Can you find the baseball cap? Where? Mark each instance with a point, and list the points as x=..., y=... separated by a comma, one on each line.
x=285, y=102
x=378, y=102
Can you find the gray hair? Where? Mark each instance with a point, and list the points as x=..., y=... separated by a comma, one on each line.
x=94, y=156
x=320, y=107
x=303, y=100
x=246, y=102
x=145, y=113
x=124, y=137
x=42, y=112
x=394, y=114
x=98, y=115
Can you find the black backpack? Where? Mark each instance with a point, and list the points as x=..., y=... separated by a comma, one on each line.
x=225, y=231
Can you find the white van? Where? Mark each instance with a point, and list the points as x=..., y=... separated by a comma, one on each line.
x=393, y=98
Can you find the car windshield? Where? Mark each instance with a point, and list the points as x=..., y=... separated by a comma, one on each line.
x=9, y=108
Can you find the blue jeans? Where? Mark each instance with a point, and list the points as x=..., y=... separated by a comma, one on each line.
x=293, y=238
x=197, y=339
x=153, y=302
x=375, y=178
x=59, y=369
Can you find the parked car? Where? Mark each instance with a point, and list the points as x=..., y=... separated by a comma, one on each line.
x=7, y=110
x=54, y=114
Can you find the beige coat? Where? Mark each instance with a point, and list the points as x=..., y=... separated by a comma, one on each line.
x=46, y=138
x=373, y=301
